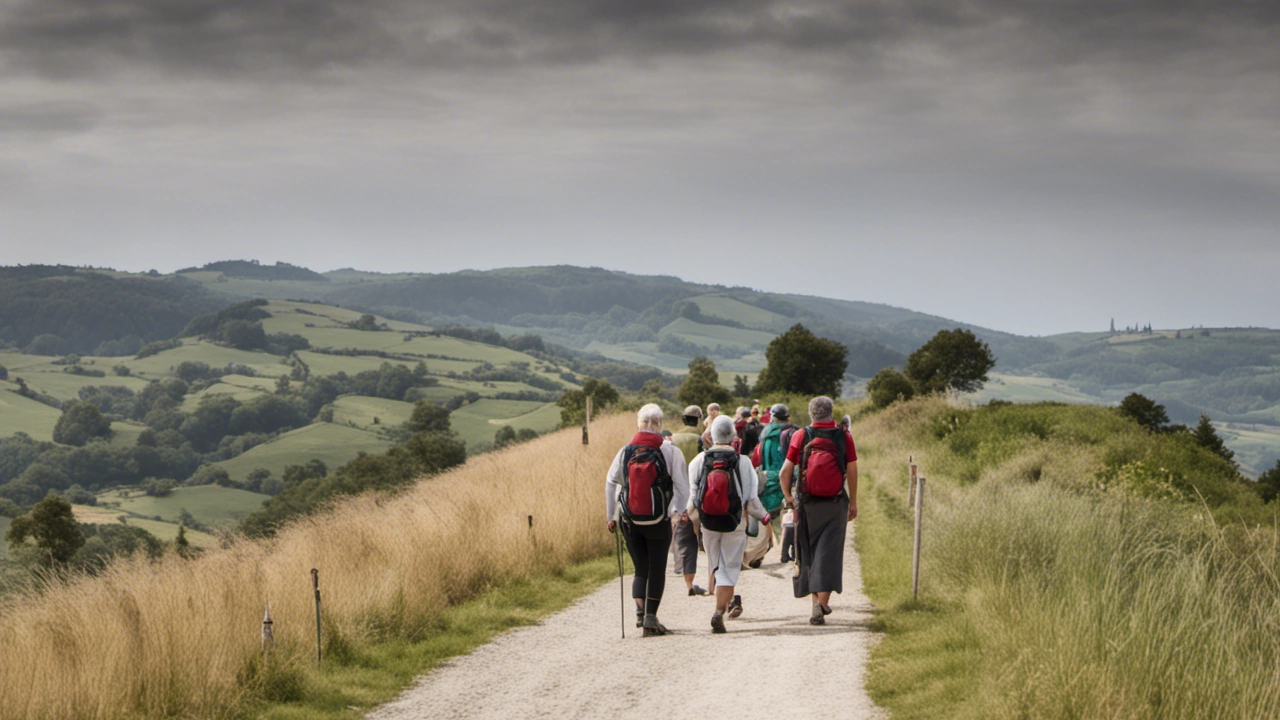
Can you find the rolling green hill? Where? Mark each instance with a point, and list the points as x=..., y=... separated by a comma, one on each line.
x=210, y=504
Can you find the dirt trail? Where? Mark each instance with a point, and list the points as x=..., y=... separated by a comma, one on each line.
x=575, y=664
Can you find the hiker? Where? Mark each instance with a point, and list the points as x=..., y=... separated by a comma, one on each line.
x=823, y=492
x=713, y=412
x=773, y=452
x=687, y=536
x=750, y=431
x=647, y=485
x=723, y=490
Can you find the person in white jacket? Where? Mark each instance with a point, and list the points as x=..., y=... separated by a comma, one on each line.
x=725, y=548
x=646, y=524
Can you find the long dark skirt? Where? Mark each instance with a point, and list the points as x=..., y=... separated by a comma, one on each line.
x=820, y=535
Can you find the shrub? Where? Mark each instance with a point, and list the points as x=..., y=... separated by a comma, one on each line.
x=889, y=386
x=80, y=422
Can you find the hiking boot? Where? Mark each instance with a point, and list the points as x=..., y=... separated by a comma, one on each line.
x=786, y=558
x=818, y=617
x=826, y=609
x=696, y=590
x=755, y=564
x=717, y=624
x=639, y=618
x=735, y=606
x=653, y=628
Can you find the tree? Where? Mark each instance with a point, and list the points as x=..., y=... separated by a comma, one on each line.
x=573, y=403
x=702, y=385
x=505, y=436
x=741, y=388
x=4, y=373
x=367, y=322
x=889, y=386
x=799, y=362
x=1145, y=411
x=1208, y=438
x=53, y=527
x=428, y=417
x=283, y=385
x=181, y=544
x=951, y=360
x=242, y=334
x=80, y=422
x=1269, y=483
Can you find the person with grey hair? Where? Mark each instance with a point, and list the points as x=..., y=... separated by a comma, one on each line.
x=823, y=463
x=647, y=486
x=724, y=492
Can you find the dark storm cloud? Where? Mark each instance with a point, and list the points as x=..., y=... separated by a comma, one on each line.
x=267, y=38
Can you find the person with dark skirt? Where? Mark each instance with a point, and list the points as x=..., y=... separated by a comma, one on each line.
x=647, y=485
x=822, y=462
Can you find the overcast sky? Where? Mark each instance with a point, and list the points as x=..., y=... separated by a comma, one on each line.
x=1032, y=167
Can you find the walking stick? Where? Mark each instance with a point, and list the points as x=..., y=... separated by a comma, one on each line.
x=622, y=593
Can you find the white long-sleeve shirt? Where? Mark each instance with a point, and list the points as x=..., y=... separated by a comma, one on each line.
x=679, y=481
x=749, y=489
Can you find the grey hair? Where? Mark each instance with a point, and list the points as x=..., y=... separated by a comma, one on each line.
x=722, y=430
x=821, y=408
x=649, y=418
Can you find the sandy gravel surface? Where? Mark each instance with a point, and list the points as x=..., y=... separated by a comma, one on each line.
x=575, y=664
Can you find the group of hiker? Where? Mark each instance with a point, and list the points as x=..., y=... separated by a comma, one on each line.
x=724, y=487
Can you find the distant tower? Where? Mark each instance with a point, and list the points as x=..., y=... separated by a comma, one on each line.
x=1113, y=324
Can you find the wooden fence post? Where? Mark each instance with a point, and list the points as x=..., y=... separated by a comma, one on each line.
x=911, y=486
x=586, y=421
x=315, y=583
x=268, y=637
x=915, y=552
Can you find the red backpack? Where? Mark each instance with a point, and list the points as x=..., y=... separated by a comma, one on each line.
x=823, y=463
x=719, y=500
x=646, y=485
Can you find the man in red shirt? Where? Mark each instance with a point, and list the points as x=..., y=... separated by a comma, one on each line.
x=824, y=463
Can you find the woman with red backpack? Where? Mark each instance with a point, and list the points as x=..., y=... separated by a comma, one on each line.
x=647, y=485
x=724, y=492
x=822, y=461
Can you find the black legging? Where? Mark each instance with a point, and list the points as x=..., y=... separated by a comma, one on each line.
x=648, y=546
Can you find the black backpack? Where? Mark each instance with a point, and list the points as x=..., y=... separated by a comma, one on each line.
x=646, y=485
x=719, y=500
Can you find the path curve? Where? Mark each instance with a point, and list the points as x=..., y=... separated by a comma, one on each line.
x=574, y=664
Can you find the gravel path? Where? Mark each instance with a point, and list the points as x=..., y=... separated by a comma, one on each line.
x=575, y=664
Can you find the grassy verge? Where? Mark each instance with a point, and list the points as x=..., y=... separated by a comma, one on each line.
x=347, y=686
x=1074, y=566
x=925, y=664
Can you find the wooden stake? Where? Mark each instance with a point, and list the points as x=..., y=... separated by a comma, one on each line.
x=911, y=487
x=268, y=638
x=586, y=421
x=915, y=553
x=315, y=583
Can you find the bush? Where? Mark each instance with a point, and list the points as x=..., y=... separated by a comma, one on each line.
x=889, y=386
x=951, y=360
x=801, y=363
x=702, y=385
x=4, y=373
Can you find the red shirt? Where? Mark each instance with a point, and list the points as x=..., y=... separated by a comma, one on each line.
x=798, y=440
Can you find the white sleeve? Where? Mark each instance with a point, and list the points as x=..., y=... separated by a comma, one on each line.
x=695, y=478
x=750, y=482
x=613, y=484
x=679, y=479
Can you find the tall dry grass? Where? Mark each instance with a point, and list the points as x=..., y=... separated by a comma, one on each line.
x=181, y=638
x=1084, y=601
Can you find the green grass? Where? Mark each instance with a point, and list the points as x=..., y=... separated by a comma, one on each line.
x=1257, y=447
x=216, y=356
x=286, y=318
x=66, y=386
x=210, y=504
x=19, y=414
x=712, y=335
x=345, y=688
x=478, y=422
x=165, y=531
x=1022, y=389
x=321, y=364
x=362, y=411
x=331, y=443
x=749, y=315
x=125, y=434
x=238, y=392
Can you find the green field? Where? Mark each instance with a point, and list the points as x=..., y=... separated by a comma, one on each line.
x=331, y=443
x=215, y=356
x=1257, y=447
x=362, y=411
x=737, y=311
x=19, y=414
x=1015, y=388
x=712, y=335
x=242, y=394
x=286, y=318
x=478, y=422
x=210, y=504
x=125, y=434
x=165, y=531
x=66, y=386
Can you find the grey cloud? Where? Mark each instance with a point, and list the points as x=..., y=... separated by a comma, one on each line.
x=52, y=117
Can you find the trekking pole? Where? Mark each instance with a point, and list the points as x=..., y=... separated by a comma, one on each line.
x=622, y=593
